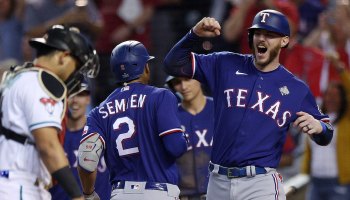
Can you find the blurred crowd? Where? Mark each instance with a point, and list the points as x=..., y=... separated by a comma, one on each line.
x=318, y=53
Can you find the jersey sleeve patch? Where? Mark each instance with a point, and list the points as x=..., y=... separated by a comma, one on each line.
x=51, y=84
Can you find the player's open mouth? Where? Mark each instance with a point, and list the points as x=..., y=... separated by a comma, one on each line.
x=74, y=107
x=261, y=49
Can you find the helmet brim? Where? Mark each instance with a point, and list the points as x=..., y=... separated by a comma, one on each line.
x=268, y=28
x=38, y=43
x=150, y=58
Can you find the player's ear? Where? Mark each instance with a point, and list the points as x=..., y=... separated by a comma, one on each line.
x=147, y=70
x=62, y=55
x=284, y=42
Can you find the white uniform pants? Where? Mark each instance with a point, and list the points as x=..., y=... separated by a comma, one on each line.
x=22, y=187
x=140, y=193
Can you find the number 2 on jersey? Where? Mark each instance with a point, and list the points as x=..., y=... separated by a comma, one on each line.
x=125, y=136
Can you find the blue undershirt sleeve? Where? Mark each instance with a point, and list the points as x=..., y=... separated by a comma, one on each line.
x=178, y=61
x=175, y=144
x=325, y=137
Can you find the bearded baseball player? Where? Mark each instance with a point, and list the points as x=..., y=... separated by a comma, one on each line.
x=33, y=98
x=255, y=100
x=137, y=130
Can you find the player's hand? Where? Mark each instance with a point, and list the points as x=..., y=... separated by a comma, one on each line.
x=93, y=196
x=207, y=27
x=334, y=58
x=78, y=198
x=307, y=123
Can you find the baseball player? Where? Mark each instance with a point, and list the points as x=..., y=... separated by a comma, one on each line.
x=33, y=104
x=77, y=106
x=196, y=113
x=255, y=101
x=137, y=130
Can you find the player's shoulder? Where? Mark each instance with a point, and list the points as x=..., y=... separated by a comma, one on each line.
x=290, y=77
x=40, y=81
x=25, y=82
x=209, y=99
x=94, y=110
x=162, y=93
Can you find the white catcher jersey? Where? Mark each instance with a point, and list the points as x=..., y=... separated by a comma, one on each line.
x=27, y=106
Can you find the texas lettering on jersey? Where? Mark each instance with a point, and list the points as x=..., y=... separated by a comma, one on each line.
x=199, y=140
x=238, y=98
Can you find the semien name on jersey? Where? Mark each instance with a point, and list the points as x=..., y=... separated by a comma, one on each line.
x=121, y=105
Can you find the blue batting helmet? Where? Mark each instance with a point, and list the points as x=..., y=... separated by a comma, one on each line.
x=270, y=20
x=128, y=60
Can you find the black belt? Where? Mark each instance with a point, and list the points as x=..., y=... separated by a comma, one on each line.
x=196, y=197
x=148, y=186
x=11, y=135
x=236, y=172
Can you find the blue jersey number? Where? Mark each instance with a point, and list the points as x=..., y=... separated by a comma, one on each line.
x=124, y=136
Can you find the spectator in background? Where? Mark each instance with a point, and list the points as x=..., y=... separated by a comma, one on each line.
x=196, y=113
x=332, y=37
x=83, y=14
x=77, y=106
x=309, y=11
x=329, y=166
x=234, y=28
x=310, y=60
x=125, y=20
x=11, y=14
x=42, y=14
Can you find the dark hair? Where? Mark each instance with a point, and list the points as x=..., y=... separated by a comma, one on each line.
x=45, y=51
x=11, y=10
x=343, y=101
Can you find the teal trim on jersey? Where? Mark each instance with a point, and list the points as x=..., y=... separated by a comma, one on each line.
x=48, y=122
x=21, y=193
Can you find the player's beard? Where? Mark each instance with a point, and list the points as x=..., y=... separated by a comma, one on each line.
x=273, y=54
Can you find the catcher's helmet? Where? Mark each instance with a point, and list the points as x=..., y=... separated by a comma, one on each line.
x=270, y=20
x=128, y=60
x=69, y=39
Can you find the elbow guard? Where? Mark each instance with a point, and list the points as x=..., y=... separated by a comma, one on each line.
x=90, y=150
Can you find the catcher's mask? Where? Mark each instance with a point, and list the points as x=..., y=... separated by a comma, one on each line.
x=69, y=39
x=270, y=20
x=128, y=60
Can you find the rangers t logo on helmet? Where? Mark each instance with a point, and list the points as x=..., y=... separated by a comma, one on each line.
x=264, y=16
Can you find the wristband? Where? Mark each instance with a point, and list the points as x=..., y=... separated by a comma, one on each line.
x=65, y=178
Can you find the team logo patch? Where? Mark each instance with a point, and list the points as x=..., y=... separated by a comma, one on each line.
x=125, y=75
x=86, y=128
x=49, y=104
x=125, y=88
x=135, y=187
x=284, y=90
